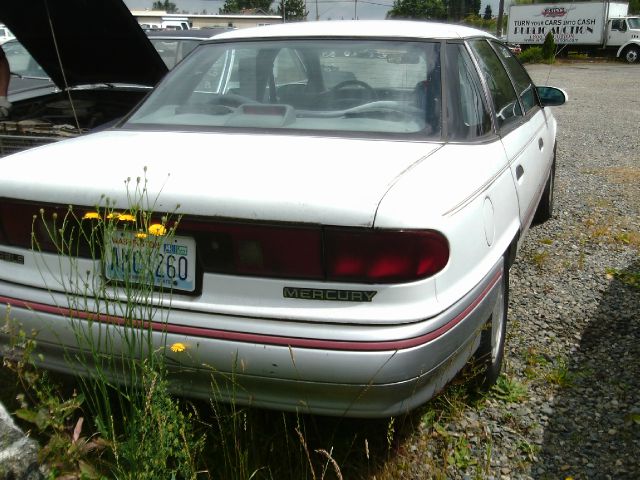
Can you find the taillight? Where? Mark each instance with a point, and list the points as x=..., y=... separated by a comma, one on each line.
x=336, y=254
x=383, y=256
x=16, y=223
x=257, y=249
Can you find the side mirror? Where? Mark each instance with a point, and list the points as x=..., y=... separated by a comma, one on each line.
x=552, y=96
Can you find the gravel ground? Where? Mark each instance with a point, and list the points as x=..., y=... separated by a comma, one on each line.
x=573, y=342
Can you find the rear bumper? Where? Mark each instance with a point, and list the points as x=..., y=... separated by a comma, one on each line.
x=393, y=369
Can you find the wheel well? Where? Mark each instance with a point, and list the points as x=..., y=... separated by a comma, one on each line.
x=510, y=254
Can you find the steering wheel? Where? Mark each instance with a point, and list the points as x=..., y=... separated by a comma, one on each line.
x=355, y=83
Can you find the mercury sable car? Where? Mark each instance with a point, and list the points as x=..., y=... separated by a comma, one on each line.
x=346, y=222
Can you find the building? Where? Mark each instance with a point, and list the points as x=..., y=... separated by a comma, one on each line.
x=244, y=20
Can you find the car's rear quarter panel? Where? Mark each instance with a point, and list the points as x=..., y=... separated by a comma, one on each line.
x=448, y=192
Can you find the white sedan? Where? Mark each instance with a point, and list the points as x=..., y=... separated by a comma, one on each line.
x=323, y=216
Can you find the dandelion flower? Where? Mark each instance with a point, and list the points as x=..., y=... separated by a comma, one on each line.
x=157, y=229
x=91, y=216
x=178, y=347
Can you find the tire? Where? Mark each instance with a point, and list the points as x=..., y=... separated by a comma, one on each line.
x=631, y=54
x=487, y=361
x=544, y=210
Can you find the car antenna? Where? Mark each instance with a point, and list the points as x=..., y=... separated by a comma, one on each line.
x=562, y=47
x=64, y=77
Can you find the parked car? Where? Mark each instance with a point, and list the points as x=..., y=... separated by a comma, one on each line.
x=340, y=250
x=26, y=74
x=515, y=48
x=174, y=45
x=5, y=34
x=100, y=70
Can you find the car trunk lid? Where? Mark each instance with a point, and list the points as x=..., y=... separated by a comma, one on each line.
x=318, y=180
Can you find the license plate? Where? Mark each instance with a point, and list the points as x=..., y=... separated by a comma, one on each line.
x=169, y=262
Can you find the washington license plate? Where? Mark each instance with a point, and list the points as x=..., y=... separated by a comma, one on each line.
x=168, y=262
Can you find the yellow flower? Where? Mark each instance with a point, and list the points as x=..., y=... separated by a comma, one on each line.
x=157, y=229
x=125, y=217
x=91, y=216
x=178, y=347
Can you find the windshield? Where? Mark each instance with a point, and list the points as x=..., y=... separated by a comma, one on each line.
x=172, y=50
x=329, y=85
x=634, y=23
x=21, y=62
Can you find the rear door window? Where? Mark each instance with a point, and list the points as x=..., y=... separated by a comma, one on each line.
x=468, y=117
x=505, y=100
x=521, y=80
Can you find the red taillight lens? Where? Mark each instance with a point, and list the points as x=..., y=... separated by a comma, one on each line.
x=258, y=250
x=383, y=256
x=16, y=223
x=336, y=254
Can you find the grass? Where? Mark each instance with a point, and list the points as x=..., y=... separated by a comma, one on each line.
x=509, y=390
x=630, y=278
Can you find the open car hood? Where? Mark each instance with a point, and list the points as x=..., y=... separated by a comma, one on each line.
x=98, y=41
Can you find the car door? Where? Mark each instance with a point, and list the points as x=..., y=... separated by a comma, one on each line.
x=617, y=32
x=522, y=124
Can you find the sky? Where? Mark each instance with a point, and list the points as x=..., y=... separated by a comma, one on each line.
x=325, y=9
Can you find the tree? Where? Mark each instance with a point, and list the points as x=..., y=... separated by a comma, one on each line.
x=424, y=9
x=634, y=7
x=549, y=47
x=294, y=10
x=474, y=7
x=165, y=5
x=237, y=6
x=488, y=14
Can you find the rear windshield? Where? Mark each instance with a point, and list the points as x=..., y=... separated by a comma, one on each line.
x=326, y=85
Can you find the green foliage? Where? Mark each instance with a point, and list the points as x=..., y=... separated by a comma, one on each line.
x=508, y=390
x=634, y=7
x=461, y=455
x=237, y=6
x=56, y=417
x=294, y=10
x=159, y=440
x=479, y=22
x=560, y=374
x=629, y=278
x=458, y=9
x=165, y=5
x=548, y=47
x=488, y=14
x=532, y=55
x=418, y=9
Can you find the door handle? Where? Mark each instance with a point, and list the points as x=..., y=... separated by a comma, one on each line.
x=540, y=143
x=519, y=172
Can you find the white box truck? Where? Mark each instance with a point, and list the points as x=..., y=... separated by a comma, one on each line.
x=586, y=25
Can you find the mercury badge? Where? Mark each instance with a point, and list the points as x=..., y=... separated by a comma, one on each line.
x=329, y=294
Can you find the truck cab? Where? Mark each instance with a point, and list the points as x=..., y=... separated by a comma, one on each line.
x=625, y=33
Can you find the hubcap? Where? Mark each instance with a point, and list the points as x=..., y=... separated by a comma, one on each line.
x=632, y=56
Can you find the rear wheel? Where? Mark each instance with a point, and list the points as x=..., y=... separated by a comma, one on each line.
x=487, y=360
x=632, y=54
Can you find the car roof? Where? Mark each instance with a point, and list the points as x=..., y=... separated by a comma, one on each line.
x=359, y=28
x=97, y=41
